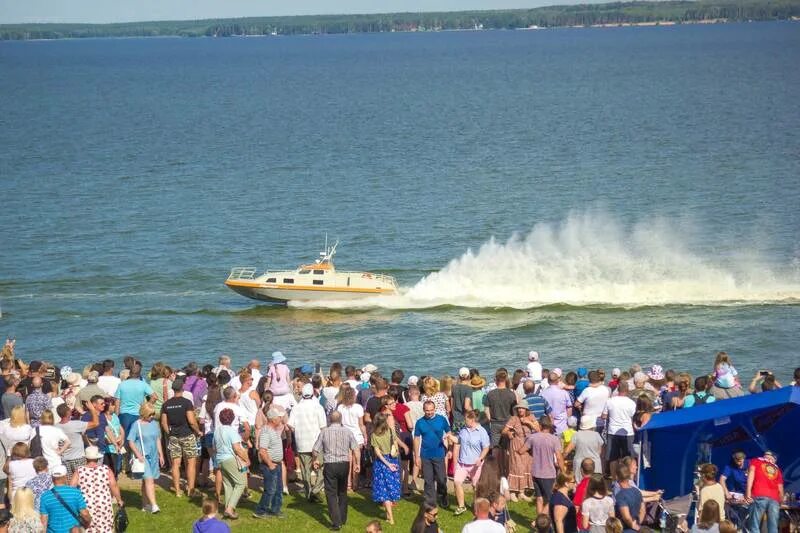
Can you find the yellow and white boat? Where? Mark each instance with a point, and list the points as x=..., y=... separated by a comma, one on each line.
x=313, y=282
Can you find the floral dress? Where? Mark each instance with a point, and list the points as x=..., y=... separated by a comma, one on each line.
x=385, y=483
x=439, y=401
x=93, y=482
x=519, y=468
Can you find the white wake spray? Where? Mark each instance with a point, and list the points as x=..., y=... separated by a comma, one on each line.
x=592, y=259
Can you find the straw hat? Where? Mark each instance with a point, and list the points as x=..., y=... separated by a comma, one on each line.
x=477, y=382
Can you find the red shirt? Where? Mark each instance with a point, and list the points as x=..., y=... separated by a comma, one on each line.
x=580, y=495
x=399, y=414
x=767, y=478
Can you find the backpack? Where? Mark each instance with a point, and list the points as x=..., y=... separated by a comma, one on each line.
x=36, y=444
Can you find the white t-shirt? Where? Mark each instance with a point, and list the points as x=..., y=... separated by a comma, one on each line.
x=239, y=414
x=484, y=525
x=20, y=471
x=354, y=384
x=23, y=433
x=597, y=509
x=52, y=437
x=594, y=401
x=236, y=383
x=109, y=384
x=535, y=371
x=620, y=411
x=350, y=416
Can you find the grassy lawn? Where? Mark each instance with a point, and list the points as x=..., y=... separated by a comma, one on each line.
x=178, y=514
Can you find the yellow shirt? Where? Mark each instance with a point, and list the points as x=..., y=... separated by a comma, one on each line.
x=566, y=437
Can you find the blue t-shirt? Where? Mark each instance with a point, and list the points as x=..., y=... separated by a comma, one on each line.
x=59, y=519
x=432, y=430
x=630, y=498
x=224, y=439
x=689, y=401
x=736, y=478
x=99, y=433
x=131, y=394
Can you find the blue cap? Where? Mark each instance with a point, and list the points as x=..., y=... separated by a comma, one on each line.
x=582, y=372
x=307, y=369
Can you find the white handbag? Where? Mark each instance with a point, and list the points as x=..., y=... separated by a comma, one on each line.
x=137, y=466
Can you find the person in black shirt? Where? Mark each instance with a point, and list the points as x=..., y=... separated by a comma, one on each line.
x=36, y=368
x=179, y=422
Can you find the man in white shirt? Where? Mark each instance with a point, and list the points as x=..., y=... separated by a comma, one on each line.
x=307, y=419
x=592, y=401
x=619, y=413
x=230, y=401
x=108, y=381
x=482, y=522
x=253, y=366
x=224, y=364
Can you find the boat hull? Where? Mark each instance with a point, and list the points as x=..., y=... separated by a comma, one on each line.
x=282, y=295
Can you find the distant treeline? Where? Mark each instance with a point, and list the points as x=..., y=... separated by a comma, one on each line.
x=544, y=17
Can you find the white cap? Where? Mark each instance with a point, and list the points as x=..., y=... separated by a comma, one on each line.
x=572, y=421
x=533, y=355
x=413, y=380
x=58, y=471
x=616, y=372
x=463, y=372
x=369, y=368
x=308, y=390
x=365, y=377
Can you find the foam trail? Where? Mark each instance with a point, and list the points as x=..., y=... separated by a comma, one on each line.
x=590, y=259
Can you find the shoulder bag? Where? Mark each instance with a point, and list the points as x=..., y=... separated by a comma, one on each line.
x=137, y=466
x=84, y=522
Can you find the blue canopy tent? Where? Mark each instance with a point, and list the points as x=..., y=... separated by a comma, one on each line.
x=674, y=443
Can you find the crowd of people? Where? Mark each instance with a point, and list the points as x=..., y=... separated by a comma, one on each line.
x=566, y=442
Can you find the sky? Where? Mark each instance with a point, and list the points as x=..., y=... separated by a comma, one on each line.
x=100, y=11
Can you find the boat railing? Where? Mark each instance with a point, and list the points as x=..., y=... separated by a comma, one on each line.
x=242, y=273
x=383, y=278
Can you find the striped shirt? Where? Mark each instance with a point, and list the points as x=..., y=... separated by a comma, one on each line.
x=59, y=519
x=335, y=443
x=537, y=405
x=271, y=441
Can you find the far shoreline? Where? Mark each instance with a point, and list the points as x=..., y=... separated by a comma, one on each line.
x=639, y=14
x=622, y=25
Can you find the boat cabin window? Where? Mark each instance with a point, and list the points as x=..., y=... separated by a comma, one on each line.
x=270, y=280
x=317, y=282
x=319, y=272
x=305, y=272
x=288, y=280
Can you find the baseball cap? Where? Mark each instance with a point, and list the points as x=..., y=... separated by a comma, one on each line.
x=273, y=413
x=365, y=376
x=413, y=380
x=308, y=390
x=463, y=372
x=557, y=372
x=307, y=369
x=582, y=372
x=58, y=471
x=533, y=355
x=616, y=372
x=369, y=368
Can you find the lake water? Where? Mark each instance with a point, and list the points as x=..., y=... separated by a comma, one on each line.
x=601, y=195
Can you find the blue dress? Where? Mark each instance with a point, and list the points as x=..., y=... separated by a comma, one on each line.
x=150, y=435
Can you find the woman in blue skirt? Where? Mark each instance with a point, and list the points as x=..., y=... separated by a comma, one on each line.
x=386, y=468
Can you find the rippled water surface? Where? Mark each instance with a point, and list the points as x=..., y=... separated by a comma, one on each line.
x=602, y=196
